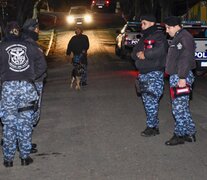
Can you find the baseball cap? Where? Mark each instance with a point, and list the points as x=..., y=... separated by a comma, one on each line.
x=148, y=17
x=172, y=21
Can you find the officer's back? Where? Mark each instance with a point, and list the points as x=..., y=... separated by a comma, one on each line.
x=21, y=62
x=18, y=55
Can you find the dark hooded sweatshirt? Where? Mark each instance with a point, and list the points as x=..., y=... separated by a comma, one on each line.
x=20, y=60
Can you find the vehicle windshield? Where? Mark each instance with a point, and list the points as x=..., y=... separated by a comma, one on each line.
x=135, y=28
x=198, y=32
x=78, y=11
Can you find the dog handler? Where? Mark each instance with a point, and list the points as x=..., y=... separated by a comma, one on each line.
x=79, y=45
x=180, y=62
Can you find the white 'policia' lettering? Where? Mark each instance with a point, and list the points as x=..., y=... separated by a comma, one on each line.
x=200, y=55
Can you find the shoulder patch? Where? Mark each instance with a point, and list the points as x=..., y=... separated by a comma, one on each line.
x=179, y=46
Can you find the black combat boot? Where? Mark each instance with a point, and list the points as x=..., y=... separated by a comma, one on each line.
x=150, y=132
x=190, y=138
x=8, y=163
x=34, y=148
x=27, y=161
x=34, y=145
x=175, y=140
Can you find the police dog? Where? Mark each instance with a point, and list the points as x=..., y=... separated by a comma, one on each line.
x=76, y=74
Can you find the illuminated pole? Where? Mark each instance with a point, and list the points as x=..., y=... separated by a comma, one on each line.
x=136, y=8
x=187, y=8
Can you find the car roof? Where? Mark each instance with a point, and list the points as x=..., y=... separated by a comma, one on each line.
x=194, y=24
x=133, y=23
x=78, y=7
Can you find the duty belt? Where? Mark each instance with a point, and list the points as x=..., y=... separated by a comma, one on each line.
x=33, y=106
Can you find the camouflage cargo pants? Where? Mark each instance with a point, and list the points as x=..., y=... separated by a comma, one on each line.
x=184, y=124
x=39, y=87
x=17, y=126
x=151, y=93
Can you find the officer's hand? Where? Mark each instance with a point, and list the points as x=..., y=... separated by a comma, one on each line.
x=140, y=55
x=182, y=83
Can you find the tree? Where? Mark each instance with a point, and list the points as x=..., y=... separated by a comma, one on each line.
x=166, y=8
x=24, y=10
x=19, y=10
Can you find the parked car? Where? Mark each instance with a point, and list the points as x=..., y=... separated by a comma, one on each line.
x=79, y=15
x=0, y=34
x=102, y=5
x=127, y=38
x=199, y=32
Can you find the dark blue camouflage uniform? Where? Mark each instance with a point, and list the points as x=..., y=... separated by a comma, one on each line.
x=39, y=87
x=151, y=95
x=21, y=63
x=151, y=71
x=180, y=109
x=17, y=125
x=179, y=65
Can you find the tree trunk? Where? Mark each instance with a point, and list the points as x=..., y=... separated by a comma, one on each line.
x=166, y=8
x=24, y=10
x=35, y=9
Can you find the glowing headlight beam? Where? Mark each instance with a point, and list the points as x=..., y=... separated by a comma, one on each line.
x=87, y=18
x=70, y=19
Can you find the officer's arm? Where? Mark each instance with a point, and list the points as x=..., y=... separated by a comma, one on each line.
x=40, y=64
x=186, y=56
x=137, y=48
x=69, y=48
x=160, y=48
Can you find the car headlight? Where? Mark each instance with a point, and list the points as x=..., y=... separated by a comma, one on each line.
x=70, y=19
x=88, y=18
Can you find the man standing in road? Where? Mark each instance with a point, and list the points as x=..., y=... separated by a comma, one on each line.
x=150, y=56
x=20, y=64
x=79, y=45
x=180, y=63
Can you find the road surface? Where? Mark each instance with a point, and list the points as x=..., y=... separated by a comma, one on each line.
x=94, y=133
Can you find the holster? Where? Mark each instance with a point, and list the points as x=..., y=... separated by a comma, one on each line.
x=137, y=87
x=33, y=105
x=142, y=87
x=178, y=91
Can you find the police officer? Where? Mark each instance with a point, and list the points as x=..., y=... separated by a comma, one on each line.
x=180, y=63
x=20, y=64
x=150, y=56
x=79, y=45
x=30, y=33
